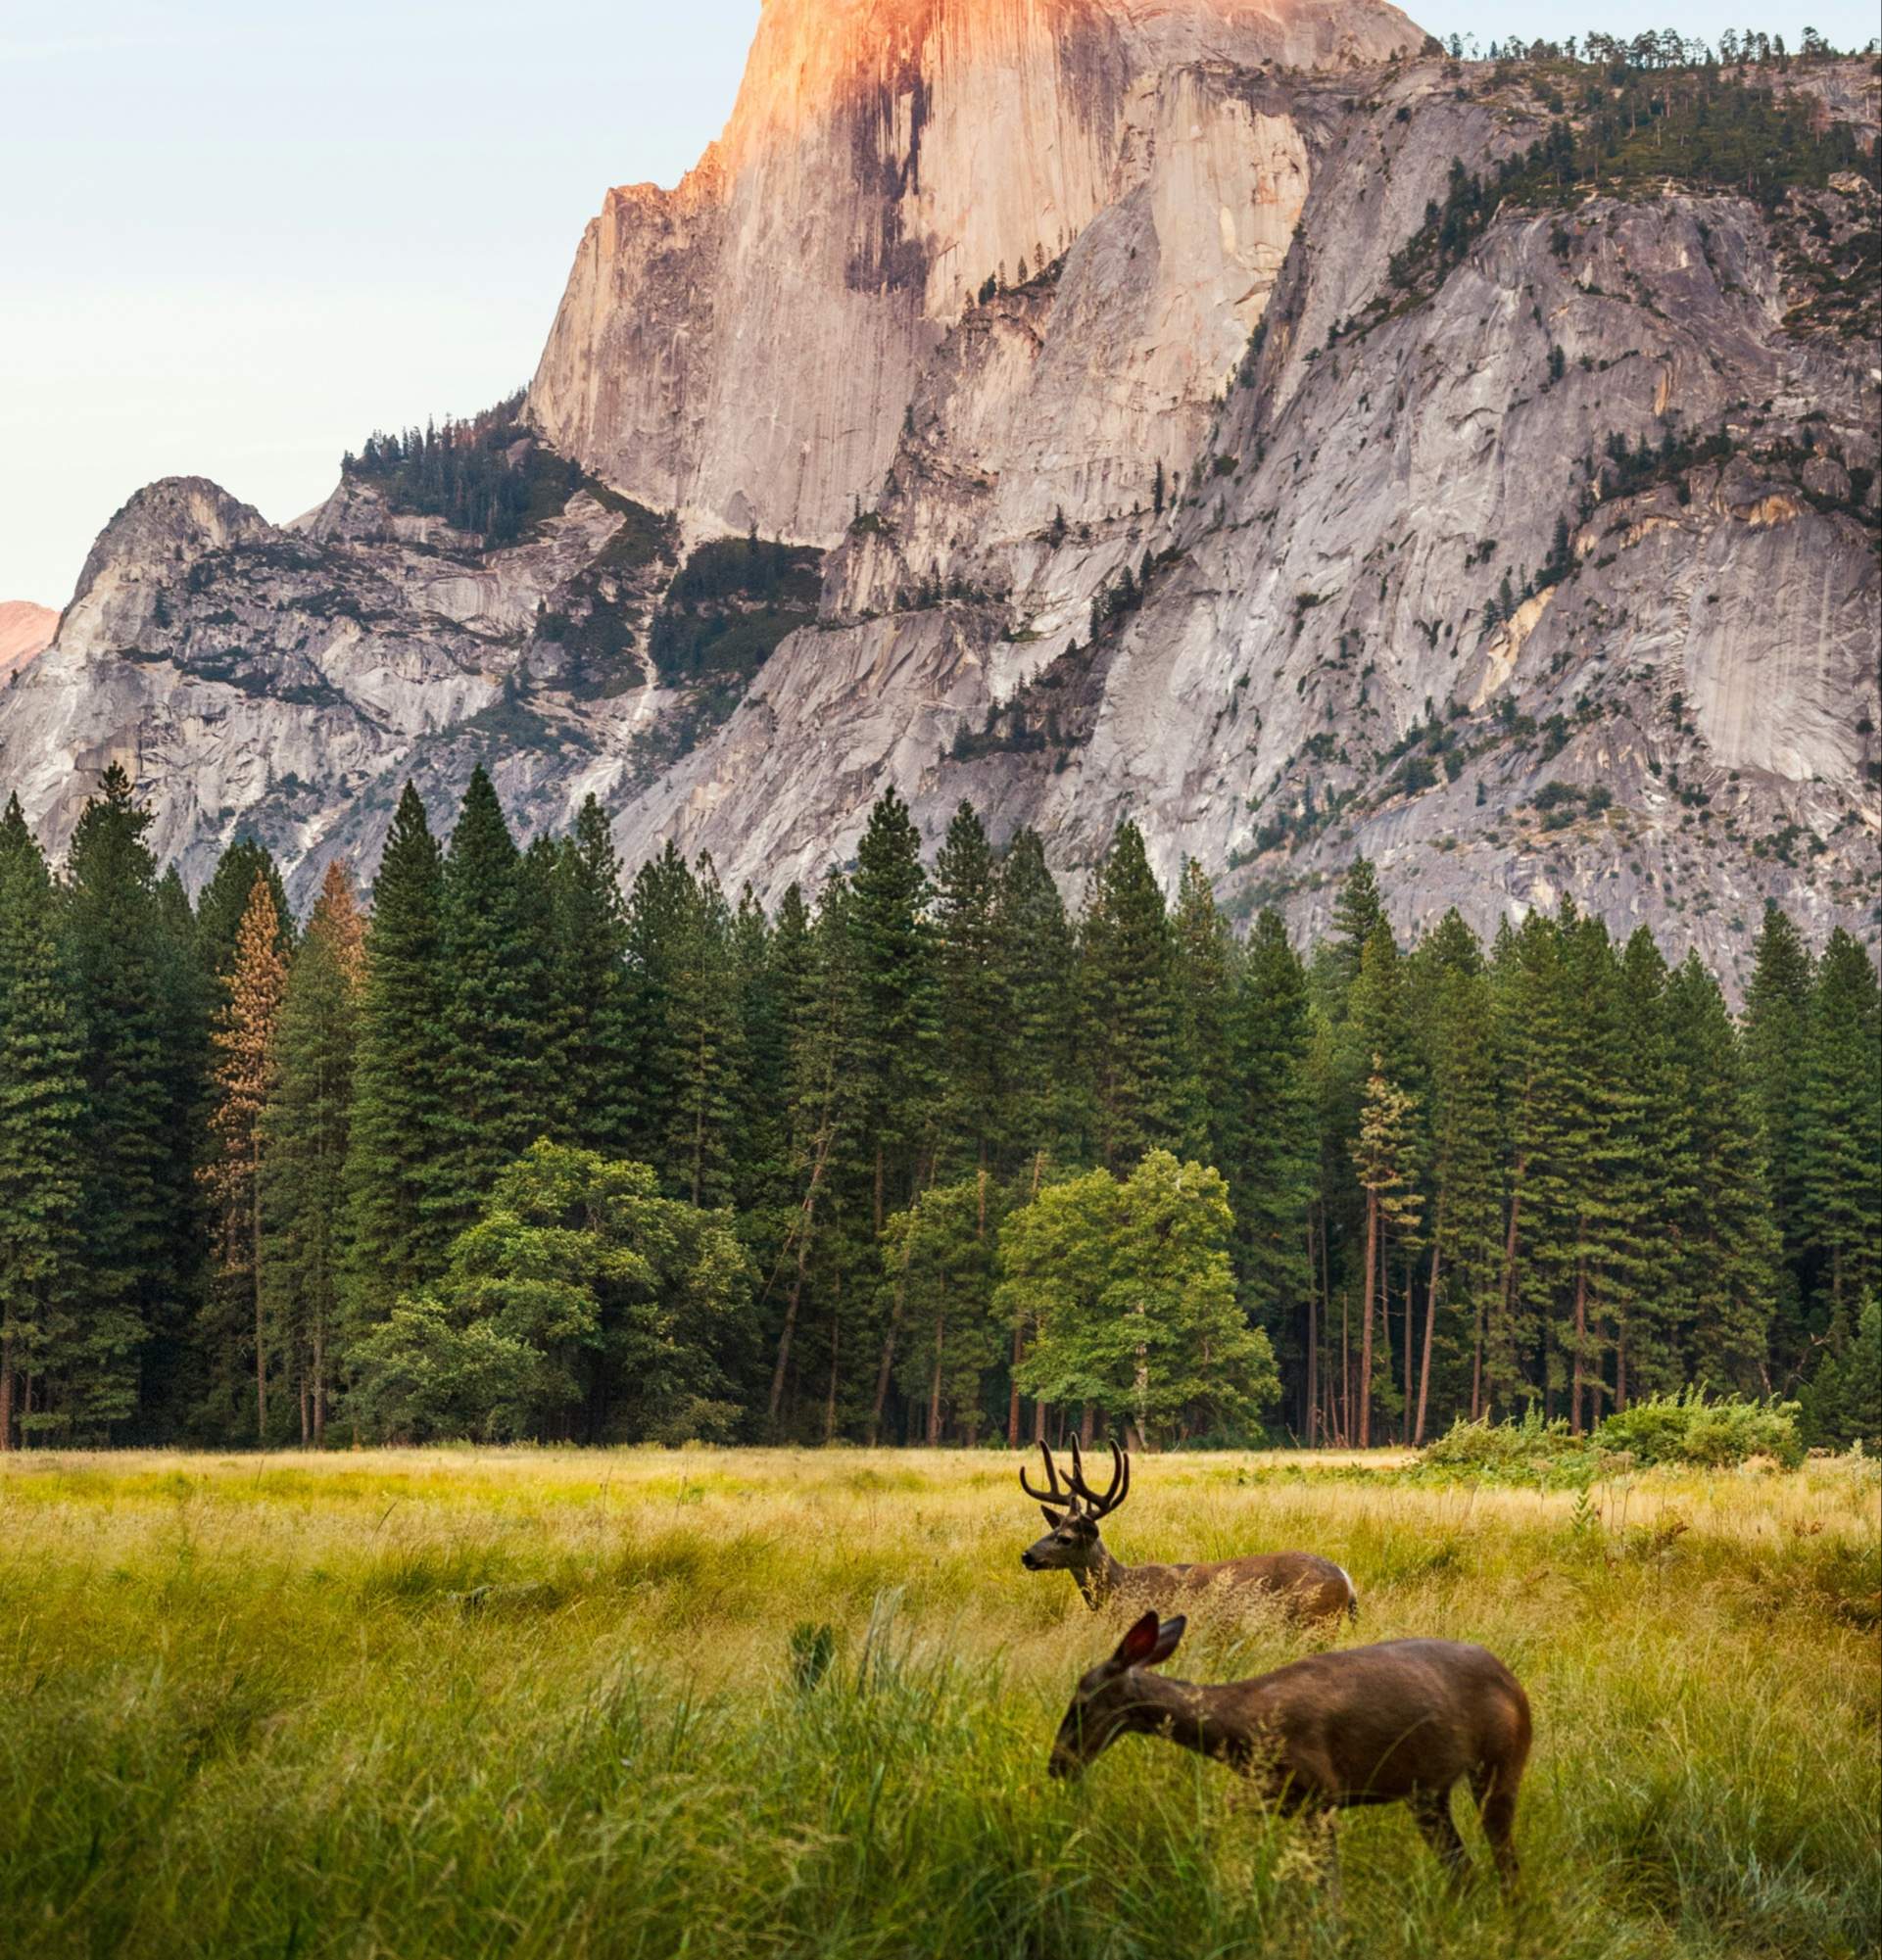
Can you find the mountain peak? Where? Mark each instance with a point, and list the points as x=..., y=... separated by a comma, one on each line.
x=25, y=632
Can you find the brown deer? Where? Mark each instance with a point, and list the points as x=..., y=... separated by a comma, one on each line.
x=1311, y=1587
x=1401, y=1722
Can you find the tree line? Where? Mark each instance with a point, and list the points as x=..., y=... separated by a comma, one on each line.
x=532, y=1150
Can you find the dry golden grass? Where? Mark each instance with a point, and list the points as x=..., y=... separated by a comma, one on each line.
x=459, y=1701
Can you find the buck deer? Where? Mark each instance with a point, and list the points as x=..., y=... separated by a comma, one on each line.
x=1403, y=1721
x=1311, y=1587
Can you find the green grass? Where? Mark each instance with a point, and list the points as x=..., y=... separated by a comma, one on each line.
x=543, y=1702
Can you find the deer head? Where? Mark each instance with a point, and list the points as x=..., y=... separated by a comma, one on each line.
x=1112, y=1697
x=1072, y=1513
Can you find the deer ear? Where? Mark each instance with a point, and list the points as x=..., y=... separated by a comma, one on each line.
x=1053, y=1519
x=1136, y=1648
x=1168, y=1636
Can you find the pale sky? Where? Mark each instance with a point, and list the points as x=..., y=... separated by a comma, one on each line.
x=235, y=239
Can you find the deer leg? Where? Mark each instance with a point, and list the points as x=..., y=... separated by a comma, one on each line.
x=1432, y=1808
x=1496, y=1804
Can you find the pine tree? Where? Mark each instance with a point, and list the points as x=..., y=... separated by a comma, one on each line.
x=1384, y=1156
x=897, y=1052
x=1129, y=1021
x=973, y=1002
x=223, y=901
x=1460, y=1061
x=1838, y=1133
x=1272, y=1158
x=1047, y=1114
x=245, y=1074
x=397, y=1225
x=594, y=1037
x=120, y=954
x=705, y=1039
x=1358, y=913
x=305, y=1139
x=1203, y=977
x=1777, y=1006
x=41, y=1113
x=1727, y=1246
x=496, y=1100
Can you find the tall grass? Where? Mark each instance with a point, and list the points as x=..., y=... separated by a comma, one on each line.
x=453, y=1702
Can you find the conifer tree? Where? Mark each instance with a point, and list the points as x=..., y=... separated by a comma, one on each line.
x=1384, y=1157
x=244, y=1080
x=594, y=1039
x=41, y=1112
x=972, y=1001
x=1460, y=1061
x=1359, y=911
x=898, y=1020
x=304, y=1136
x=1726, y=1268
x=1047, y=1105
x=1777, y=1006
x=120, y=957
x=706, y=1040
x=1203, y=978
x=1127, y=973
x=496, y=1096
x=1653, y=1171
x=1839, y=1131
x=397, y=1223
x=224, y=899
x=1273, y=1160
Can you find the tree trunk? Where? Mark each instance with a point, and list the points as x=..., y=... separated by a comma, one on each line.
x=1345, y=1374
x=261, y=1344
x=1088, y=1420
x=1405, y=1414
x=1581, y=1338
x=887, y=1361
x=934, y=1381
x=836, y=1330
x=319, y=1382
x=809, y=1214
x=1365, y=1322
x=6, y=1389
x=1430, y=1326
x=1312, y=1345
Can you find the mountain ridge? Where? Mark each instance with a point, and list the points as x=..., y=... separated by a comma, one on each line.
x=1278, y=509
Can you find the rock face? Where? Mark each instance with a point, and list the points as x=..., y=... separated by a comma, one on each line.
x=1158, y=467
x=25, y=632
x=884, y=158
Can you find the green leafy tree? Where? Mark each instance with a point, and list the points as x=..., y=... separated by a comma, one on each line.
x=1777, y=1010
x=580, y=1303
x=939, y=1254
x=1136, y=1299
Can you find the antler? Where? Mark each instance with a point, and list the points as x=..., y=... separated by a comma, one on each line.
x=1063, y=1499
x=1095, y=1505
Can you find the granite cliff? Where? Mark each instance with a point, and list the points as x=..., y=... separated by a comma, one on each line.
x=1156, y=416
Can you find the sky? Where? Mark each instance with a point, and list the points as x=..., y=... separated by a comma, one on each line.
x=235, y=239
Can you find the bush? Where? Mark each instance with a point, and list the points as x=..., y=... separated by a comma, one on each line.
x=1683, y=1429
x=1687, y=1430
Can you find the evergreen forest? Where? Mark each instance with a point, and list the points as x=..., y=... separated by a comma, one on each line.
x=516, y=1146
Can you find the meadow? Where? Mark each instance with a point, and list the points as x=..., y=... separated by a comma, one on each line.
x=455, y=1702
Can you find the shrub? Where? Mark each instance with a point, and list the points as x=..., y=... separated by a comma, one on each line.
x=1685, y=1428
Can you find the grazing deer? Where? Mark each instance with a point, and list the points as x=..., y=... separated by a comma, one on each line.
x=1311, y=1587
x=1402, y=1722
